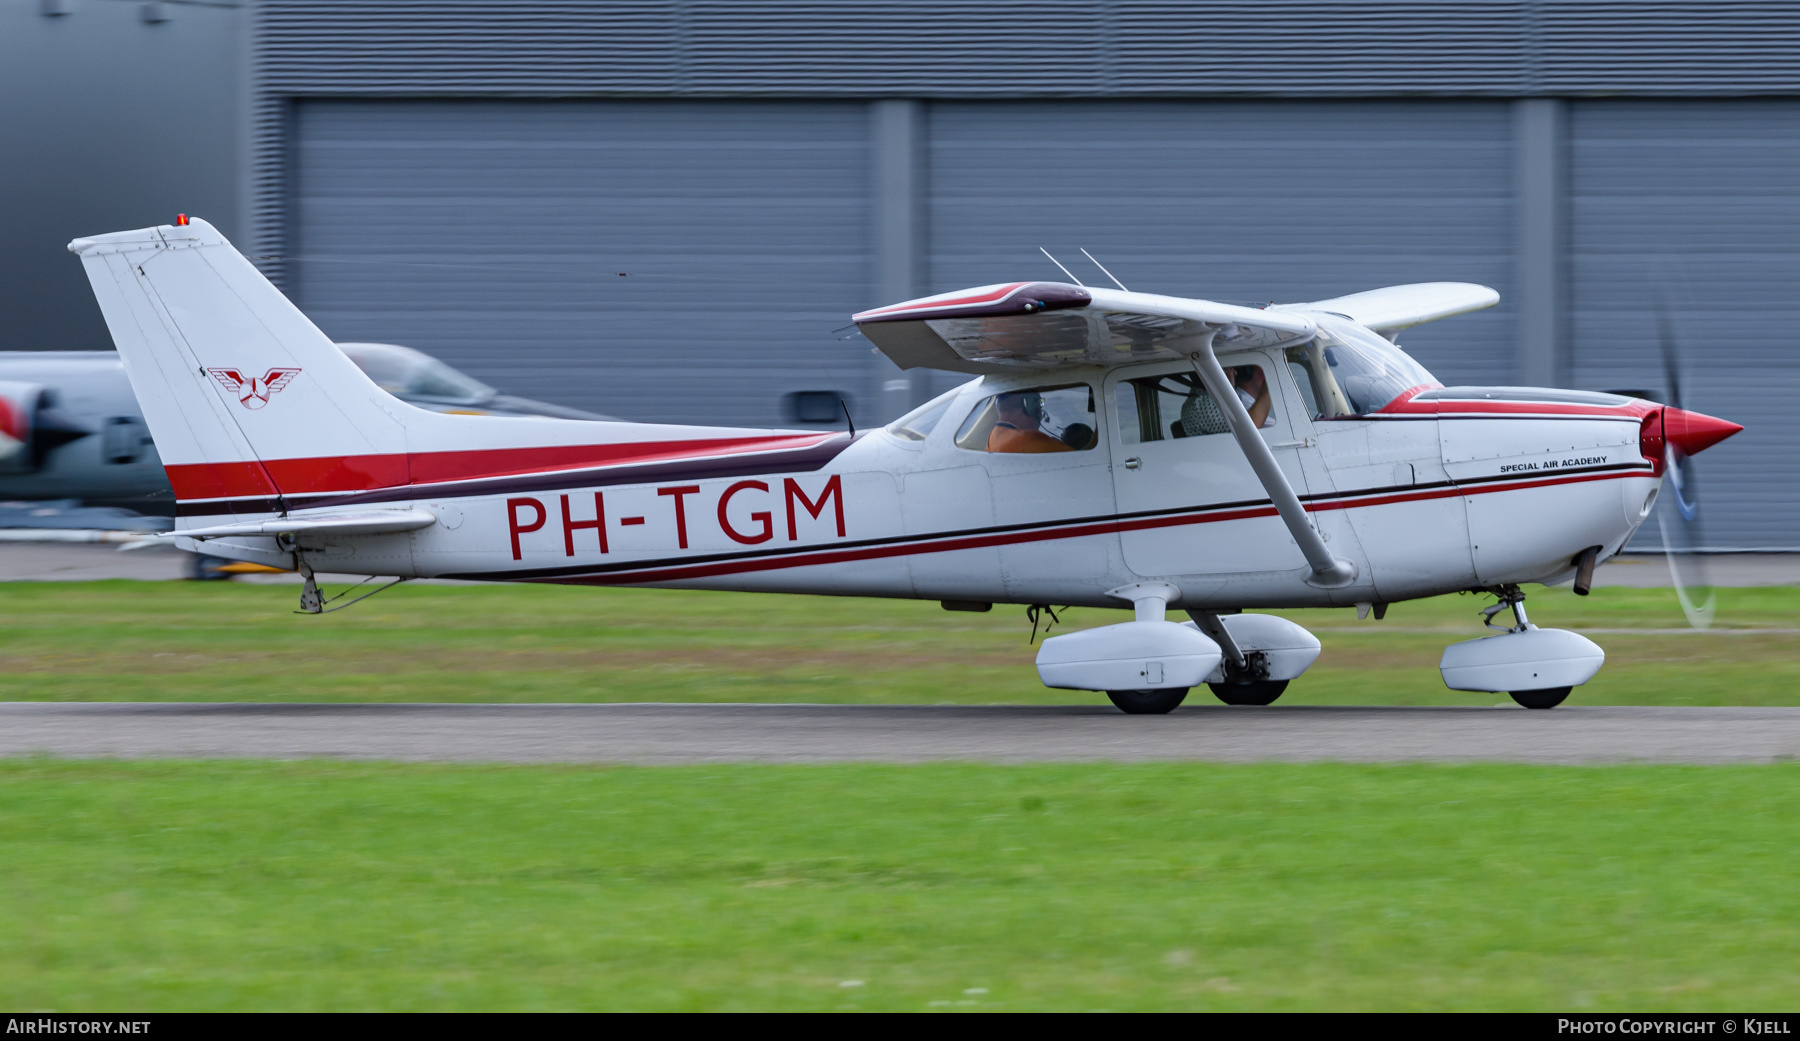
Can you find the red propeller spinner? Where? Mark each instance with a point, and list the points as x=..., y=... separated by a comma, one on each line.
x=1693, y=432
x=1690, y=432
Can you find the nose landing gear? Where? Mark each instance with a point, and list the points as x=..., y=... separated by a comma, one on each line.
x=1513, y=597
x=1536, y=667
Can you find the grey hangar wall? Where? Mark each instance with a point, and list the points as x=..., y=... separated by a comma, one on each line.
x=471, y=178
x=697, y=260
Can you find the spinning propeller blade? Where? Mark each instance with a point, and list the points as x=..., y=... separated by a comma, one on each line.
x=1678, y=509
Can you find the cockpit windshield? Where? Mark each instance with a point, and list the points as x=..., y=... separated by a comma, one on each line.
x=1347, y=370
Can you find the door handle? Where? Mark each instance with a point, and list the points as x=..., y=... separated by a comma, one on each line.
x=1302, y=443
x=1133, y=463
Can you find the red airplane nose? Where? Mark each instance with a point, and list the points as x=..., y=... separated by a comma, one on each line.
x=1692, y=432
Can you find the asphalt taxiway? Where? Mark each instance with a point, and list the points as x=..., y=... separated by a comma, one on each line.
x=665, y=733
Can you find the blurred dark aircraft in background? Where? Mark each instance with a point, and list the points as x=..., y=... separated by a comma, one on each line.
x=71, y=430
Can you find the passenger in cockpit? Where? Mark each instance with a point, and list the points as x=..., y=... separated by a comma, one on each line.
x=1253, y=391
x=1017, y=429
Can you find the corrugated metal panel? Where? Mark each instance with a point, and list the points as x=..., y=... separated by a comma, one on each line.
x=1655, y=47
x=1247, y=201
x=494, y=234
x=1697, y=202
x=1015, y=48
x=994, y=48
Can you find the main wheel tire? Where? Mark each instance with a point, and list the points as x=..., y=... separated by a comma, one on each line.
x=1148, y=702
x=1253, y=692
x=1549, y=697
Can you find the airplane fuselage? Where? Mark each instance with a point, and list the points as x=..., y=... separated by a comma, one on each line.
x=1443, y=490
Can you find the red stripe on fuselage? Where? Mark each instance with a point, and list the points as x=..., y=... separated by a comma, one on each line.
x=220, y=480
x=359, y=473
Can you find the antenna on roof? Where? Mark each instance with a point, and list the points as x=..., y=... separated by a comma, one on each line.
x=1064, y=270
x=1102, y=267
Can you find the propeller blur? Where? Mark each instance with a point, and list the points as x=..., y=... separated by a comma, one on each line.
x=1685, y=434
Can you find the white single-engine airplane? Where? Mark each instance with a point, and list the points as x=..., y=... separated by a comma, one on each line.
x=1117, y=449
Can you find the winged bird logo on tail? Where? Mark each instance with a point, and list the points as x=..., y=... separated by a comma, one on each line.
x=253, y=392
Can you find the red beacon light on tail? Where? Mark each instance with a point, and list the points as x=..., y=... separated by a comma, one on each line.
x=181, y=220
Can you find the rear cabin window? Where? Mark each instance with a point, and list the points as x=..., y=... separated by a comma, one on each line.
x=1042, y=419
x=1163, y=408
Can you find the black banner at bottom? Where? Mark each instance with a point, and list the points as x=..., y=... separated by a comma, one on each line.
x=1526, y=1024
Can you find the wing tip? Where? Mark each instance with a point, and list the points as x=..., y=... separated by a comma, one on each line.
x=996, y=301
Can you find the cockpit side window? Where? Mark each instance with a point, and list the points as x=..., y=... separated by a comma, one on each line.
x=1041, y=419
x=1347, y=370
x=1176, y=405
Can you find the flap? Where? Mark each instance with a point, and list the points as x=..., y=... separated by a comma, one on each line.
x=368, y=522
x=1400, y=307
x=1022, y=326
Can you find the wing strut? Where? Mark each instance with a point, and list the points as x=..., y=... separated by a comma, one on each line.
x=1328, y=571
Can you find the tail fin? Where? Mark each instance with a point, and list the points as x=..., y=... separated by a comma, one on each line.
x=255, y=411
x=228, y=372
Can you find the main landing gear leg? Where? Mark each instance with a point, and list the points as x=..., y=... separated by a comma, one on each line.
x=1247, y=679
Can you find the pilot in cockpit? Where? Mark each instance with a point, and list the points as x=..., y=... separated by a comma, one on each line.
x=1017, y=428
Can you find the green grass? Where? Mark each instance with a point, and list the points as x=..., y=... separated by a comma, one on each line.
x=176, y=641
x=201, y=886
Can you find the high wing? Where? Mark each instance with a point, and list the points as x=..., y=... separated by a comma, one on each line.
x=1399, y=307
x=1024, y=326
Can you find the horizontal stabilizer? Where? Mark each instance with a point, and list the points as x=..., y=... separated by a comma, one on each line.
x=367, y=522
x=1400, y=307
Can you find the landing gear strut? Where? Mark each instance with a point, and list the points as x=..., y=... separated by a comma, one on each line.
x=1247, y=679
x=1513, y=597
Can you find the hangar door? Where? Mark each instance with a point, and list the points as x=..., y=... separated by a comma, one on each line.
x=1693, y=207
x=1245, y=202
x=655, y=261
